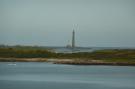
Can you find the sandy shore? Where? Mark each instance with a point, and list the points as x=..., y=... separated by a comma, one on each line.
x=23, y=59
x=89, y=62
x=66, y=61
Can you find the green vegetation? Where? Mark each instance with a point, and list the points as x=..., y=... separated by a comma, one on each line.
x=114, y=55
x=24, y=53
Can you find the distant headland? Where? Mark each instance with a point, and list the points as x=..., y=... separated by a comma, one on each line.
x=39, y=54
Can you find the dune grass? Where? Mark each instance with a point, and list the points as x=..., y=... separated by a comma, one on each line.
x=112, y=55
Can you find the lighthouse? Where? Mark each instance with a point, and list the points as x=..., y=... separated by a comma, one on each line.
x=72, y=44
x=73, y=39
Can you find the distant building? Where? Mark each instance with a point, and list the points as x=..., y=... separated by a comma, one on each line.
x=72, y=45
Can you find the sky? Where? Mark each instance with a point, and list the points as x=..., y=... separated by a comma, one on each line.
x=98, y=23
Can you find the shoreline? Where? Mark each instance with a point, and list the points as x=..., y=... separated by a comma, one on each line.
x=97, y=63
x=67, y=61
x=23, y=60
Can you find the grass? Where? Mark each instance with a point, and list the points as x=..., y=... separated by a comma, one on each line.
x=24, y=53
x=112, y=55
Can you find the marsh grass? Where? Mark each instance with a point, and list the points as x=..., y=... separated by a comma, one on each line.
x=112, y=55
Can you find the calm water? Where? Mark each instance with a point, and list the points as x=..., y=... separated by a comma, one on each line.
x=82, y=49
x=34, y=75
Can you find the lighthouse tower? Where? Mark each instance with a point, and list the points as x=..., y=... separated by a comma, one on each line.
x=73, y=39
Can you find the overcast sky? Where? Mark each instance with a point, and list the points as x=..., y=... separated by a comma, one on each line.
x=102, y=23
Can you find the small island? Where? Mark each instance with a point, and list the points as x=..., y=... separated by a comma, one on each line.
x=122, y=57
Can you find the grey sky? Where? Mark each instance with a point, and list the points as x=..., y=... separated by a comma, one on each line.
x=50, y=22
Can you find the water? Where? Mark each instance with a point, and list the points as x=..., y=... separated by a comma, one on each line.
x=82, y=49
x=37, y=75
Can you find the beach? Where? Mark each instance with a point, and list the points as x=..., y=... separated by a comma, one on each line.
x=67, y=61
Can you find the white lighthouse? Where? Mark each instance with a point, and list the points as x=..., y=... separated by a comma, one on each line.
x=72, y=44
x=73, y=39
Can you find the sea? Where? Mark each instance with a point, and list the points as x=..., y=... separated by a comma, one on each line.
x=81, y=49
x=42, y=75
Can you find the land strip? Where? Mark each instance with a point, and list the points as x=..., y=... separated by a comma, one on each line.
x=99, y=57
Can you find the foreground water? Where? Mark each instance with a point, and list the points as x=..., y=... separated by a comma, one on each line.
x=37, y=75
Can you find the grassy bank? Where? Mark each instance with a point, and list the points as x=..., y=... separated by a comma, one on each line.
x=114, y=55
x=24, y=53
